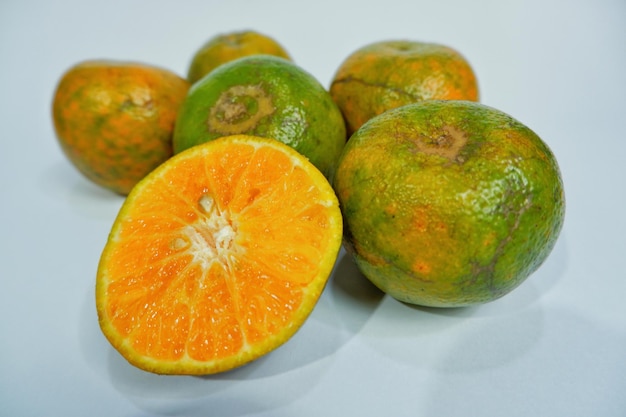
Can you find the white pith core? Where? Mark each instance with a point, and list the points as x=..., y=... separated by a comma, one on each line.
x=211, y=238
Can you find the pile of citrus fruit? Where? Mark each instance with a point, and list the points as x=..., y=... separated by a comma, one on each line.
x=243, y=179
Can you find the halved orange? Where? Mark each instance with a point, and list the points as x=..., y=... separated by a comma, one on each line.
x=217, y=257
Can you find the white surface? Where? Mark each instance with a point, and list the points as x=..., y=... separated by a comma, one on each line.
x=553, y=347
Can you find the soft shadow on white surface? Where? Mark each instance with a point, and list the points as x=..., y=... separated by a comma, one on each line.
x=61, y=181
x=234, y=393
x=418, y=338
x=354, y=297
x=581, y=360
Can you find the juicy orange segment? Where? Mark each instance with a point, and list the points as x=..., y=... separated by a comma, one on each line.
x=217, y=257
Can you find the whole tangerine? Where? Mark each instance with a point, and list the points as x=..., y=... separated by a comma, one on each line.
x=448, y=203
x=388, y=74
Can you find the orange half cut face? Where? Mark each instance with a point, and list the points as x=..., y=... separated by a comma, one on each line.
x=217, y=257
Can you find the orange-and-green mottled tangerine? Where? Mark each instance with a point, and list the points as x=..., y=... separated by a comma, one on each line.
x=115, y=120
x=227, y=47
x=448, y=203
x=385, y=75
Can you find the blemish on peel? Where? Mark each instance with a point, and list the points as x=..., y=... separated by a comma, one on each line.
x=240, y=109
x=447, y=144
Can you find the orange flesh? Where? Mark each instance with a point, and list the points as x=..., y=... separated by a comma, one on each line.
x=217, y=255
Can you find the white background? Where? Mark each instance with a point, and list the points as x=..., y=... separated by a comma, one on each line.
x=556, y=346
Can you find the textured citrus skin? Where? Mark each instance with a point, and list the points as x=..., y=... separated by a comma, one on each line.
x=264, y=96
x=217, y=257
x=227, y=47
x=388, y=74
x=115, y=120
x=448, y=203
